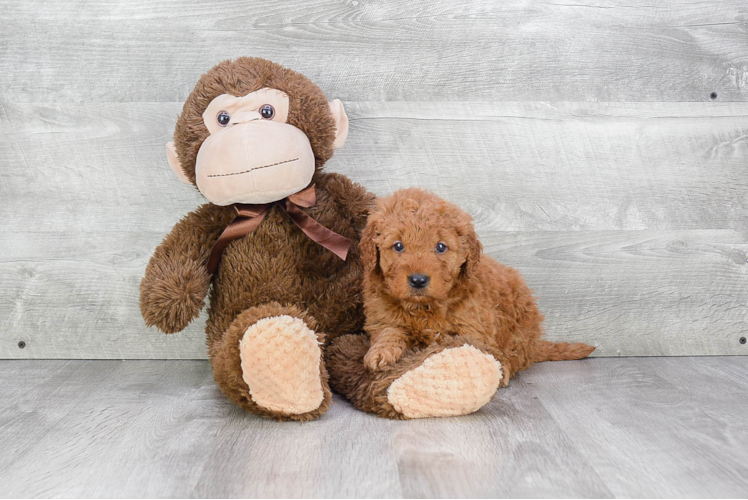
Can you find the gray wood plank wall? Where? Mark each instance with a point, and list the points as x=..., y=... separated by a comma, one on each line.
x=582, y=138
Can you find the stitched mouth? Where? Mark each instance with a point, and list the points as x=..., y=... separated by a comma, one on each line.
x=254, y=168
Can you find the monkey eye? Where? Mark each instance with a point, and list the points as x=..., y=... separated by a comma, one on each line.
x=398, y=246
x=441, y=247
x=267, y=111
x=223, y=118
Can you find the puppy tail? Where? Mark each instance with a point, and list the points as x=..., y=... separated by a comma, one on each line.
x=560, y=351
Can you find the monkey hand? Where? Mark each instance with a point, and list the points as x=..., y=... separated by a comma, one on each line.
x=172, y=293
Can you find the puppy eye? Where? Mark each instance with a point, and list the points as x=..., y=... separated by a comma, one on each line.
x=441, y=247
x=398, y=246
x=223, y=118
x=267, y=111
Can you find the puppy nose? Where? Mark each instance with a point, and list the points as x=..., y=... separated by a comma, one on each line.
x=418, y=280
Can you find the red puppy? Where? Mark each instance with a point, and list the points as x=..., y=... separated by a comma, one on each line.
x=426, y=281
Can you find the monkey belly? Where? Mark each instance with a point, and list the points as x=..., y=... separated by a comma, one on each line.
x=279, y=263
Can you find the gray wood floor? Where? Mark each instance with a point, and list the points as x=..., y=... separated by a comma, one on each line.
x=633, y=427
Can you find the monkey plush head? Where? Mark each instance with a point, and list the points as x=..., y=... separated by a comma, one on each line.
x=253, y=131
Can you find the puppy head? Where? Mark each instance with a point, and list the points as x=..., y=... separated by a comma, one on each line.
x=418, y=246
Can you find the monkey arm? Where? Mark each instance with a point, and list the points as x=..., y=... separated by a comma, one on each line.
x=176, y=280
x=355, y=200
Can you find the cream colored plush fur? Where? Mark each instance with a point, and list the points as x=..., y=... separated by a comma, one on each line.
x=280, y=359
x=452, y=382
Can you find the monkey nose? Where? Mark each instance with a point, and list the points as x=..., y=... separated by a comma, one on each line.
x=245, y=117
x=418, y=281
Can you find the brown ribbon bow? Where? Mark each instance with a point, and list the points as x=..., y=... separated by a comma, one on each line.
x=249, y=217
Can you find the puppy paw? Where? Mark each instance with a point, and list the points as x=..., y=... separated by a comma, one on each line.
x=379, y=358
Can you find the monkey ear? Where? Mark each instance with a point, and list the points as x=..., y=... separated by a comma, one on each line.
x=341, y=123
x=171, y=155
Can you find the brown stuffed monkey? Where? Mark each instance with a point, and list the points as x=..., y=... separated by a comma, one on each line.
x=278, y=242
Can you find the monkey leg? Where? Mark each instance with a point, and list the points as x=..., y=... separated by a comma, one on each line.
x=456, y=377
x=270, y=363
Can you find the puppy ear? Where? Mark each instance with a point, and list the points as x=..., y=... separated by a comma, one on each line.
x=369, y=249
x=474, y=250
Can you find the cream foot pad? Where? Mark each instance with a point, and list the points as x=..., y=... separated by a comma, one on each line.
x=455, y=381
x=280, y=364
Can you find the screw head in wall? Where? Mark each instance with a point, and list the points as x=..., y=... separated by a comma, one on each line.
x=742, y=340
x=21, y=344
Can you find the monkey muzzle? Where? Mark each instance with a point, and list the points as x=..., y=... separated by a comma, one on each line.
x=258, y=161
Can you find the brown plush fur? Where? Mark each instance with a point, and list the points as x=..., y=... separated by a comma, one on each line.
x=308, y=107
x=227, y=369
x=274, y=270
x=468, y=295
x=367, y=389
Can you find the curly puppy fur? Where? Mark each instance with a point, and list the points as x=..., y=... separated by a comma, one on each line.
x=467, y=294
x=274, y=270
